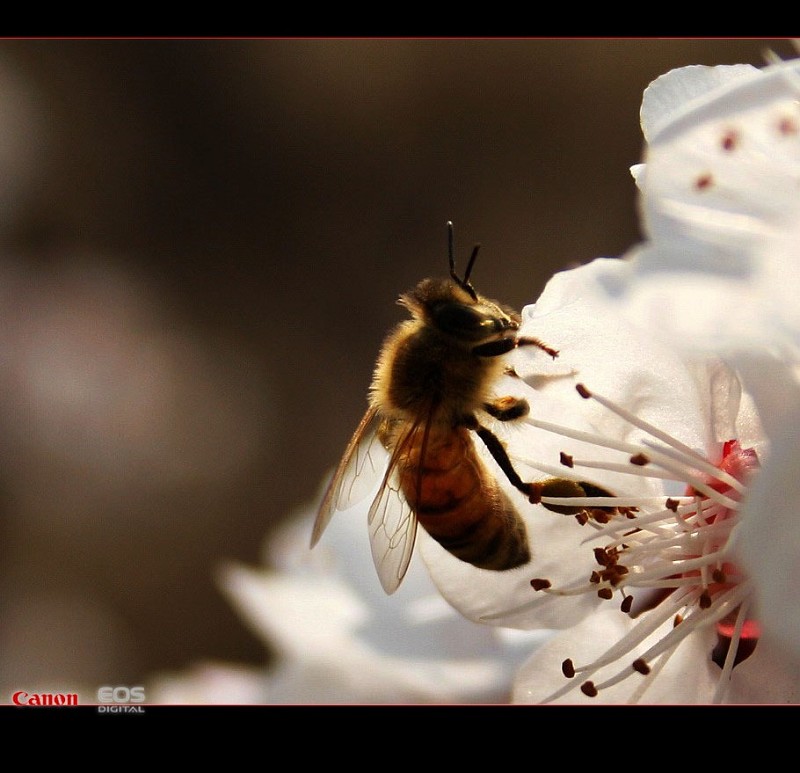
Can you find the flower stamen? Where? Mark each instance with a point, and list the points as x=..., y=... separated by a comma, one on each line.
x=677, y=547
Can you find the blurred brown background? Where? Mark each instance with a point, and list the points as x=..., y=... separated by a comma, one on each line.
x=202, y=243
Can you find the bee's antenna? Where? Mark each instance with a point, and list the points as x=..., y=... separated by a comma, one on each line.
x=471, y=262
x=463, y=283
x=451, y=253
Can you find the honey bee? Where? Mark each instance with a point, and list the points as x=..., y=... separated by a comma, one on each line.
x=431, y=383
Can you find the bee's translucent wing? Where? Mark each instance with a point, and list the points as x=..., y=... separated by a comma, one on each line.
x=392, y=524
x=391, y=521
x=363, y=464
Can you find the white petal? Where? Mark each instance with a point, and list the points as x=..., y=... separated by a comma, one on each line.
x=700, y=312
x=670, y=93
x=610, y=354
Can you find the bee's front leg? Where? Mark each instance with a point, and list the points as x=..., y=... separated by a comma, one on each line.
x=529, y=341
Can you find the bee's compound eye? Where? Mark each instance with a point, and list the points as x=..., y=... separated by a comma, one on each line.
x=463, y=321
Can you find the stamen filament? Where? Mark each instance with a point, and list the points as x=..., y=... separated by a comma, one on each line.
x=627, y=469
x=645, y=519
x=548, y=469
x=655, y=669
x=700, y=485
x=721, y=606
x=703, y=465
x=587, y=437
x=686, y=540
x=677, y=634
x=730, y=656
x=676, y=567
x=605, y=502
x=675, y=582
x=576, y=590
x=638, y=633
x=636, y=421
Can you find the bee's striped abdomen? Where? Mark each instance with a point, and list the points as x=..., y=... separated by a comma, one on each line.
x=459, y=503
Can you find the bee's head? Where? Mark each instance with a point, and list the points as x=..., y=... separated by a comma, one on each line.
x=453, y=308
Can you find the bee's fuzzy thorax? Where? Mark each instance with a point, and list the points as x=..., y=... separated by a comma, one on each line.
x=418, y=367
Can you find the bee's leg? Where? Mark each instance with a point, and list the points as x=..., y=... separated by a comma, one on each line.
x=500, y=455
x=561, y=487
x=505, y=345
x=528, y=341
x=507, y=408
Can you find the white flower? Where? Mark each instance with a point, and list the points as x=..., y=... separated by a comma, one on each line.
x=675, y=464
x=720, y=273
x=338, y=638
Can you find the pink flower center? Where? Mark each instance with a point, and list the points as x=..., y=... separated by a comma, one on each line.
x=741, y=463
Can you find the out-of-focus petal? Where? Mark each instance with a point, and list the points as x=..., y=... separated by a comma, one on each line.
x=670, y=93
x=209, y=683
x=719, y=208
x=770, y=538
x=338, y=638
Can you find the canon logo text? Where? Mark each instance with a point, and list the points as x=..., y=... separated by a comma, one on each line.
x=22, y=698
